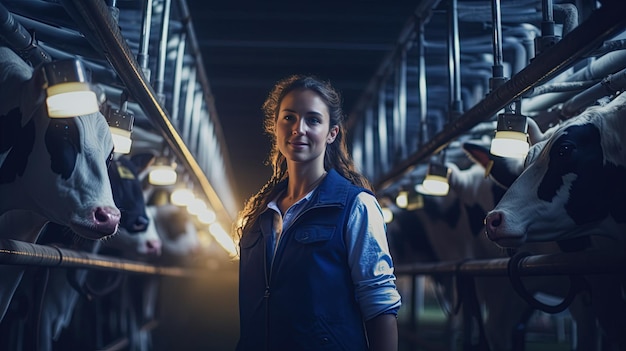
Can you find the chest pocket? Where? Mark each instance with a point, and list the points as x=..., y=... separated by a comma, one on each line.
x=318, y=234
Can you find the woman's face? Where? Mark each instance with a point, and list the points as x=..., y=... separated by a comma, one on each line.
x=303, y=127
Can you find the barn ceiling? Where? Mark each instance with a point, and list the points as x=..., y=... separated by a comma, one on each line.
x=247, y=46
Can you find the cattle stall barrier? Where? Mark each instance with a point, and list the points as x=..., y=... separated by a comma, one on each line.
x=573, y=264
x=521, y=264
x=20, y=253
x=15, y=252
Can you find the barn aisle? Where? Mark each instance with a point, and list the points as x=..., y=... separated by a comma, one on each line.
x=200, y=313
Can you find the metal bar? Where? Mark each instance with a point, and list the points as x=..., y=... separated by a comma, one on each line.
x=15, y=252
x=144, y=42
x=584, y=262
x=178, y=80
x=601, y=24
x=162, y=57
x=454, y=60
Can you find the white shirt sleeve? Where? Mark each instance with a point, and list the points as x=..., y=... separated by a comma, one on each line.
x=369, y=258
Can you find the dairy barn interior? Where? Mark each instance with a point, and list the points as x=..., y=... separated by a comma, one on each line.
x=426, y=86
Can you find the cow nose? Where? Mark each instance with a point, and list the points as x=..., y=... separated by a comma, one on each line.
x=154, y=247
x=106, y=219
x=141, y=224
x=492, y=221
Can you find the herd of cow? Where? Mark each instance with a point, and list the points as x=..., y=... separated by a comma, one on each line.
x=568, y=194
x=61, y=184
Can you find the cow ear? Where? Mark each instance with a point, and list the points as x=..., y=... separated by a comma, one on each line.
x=142, y=161
x=478, y=153
x=502, y=170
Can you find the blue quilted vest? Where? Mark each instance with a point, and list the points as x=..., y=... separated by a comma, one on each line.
x=304, y=299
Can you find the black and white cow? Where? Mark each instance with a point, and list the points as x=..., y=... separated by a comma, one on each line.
x=52, y=302
x=574, y=188
x=453, y=227
x=50, y=169
x=575, y=176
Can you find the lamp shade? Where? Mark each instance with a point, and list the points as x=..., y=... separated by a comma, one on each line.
x=436, y=180
x=121, y=126
x=511, y=139
x=182, y=196
x=68, y=90
x=402, y=199
x=162, y=172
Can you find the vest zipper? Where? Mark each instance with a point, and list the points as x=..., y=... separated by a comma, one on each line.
x=275, y=253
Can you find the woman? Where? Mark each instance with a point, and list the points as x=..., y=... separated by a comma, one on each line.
x=315, y=269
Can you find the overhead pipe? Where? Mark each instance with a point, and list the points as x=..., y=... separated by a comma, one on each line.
x=190, y=96
x=497, y=70
x=595, y=70
x=20, y=40
x=162, y=57
x=609, y=46
x=516, y=46
x=61, y=38
x=548, y=36
x=565, y=14
x=42, y=11
x=399, y=105
x=608, y=86
x=382, y=130
x=454, y=62
x=178, y=80
x=98, y=20
x=423, y=100
x=144, y=39
x=603, y=23
x=561, y=87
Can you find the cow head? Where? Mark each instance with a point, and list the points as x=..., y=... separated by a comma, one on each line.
x=573, y=184
x=128, y=194
x=55, y=168
x=137, y=233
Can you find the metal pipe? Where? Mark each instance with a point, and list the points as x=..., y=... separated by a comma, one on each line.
x=60, y=38
x=546, y=11
x=382, y=132
x=597, y=69
x=603, y=23
x=423, y=100
x=18, y=38
x=368, y=141
x=571, y=263
x=15, y=252
x=608, y=86
x=399, y=102
x=144, y=41
x=178, y=71
x=497, y=70
x=454, y=61
x=162, y=57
